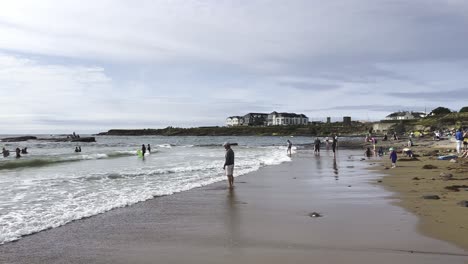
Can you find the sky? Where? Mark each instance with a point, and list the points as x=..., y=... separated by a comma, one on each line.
x=89, y=66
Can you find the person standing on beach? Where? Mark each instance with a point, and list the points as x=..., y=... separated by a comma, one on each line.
x=288, y=152
x=335, y=141
x=459, y=138
x=317, y=146
x=368, y=153
x=228, y=166
x=393, y=157
x=149, y=148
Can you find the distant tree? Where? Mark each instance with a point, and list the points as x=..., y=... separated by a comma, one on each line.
x=441, y=111
x=464, y=109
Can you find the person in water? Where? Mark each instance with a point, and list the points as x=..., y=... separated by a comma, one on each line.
x=143, y=150
x=289, y=147
x=149, y=148
x=5, y=152
x=18, y=151
x=24, y=151
x=228, y=166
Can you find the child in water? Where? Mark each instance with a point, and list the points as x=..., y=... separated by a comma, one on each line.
x=393, y=157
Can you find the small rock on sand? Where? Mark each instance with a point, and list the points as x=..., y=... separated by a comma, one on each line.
x=463, y=203
x=315, y=214
x=445, y=176
x=415, y=179
x=431, y=197
x=453, y=161
x=429, y=167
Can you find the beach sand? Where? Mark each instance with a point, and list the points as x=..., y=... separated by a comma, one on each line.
x=265, y=219
x=444, y=218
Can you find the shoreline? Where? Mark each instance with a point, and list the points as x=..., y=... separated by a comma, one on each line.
x=265, y=219
x=443, y=218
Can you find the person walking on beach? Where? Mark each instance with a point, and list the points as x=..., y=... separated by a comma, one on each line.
x=288, y=152
x=393, y=157
x=228, y=166
x=459, y=138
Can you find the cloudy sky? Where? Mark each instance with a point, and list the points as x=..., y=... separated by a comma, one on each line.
x=89, y=66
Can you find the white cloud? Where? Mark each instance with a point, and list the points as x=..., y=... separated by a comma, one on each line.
x=155, y=63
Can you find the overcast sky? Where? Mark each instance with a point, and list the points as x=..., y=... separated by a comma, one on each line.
x=89, y=66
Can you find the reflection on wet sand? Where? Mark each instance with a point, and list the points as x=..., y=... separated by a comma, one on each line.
x=232, y=222
x=335, y=169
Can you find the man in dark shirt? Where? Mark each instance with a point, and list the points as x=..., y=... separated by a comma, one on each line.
x=229, y=164
x=143, y=150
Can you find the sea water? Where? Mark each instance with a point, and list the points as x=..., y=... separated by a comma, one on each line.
x=53, y=185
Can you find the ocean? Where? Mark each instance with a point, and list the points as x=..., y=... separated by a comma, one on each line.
x=53, y=185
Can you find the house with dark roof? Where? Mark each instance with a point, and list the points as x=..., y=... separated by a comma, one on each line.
x=286, y=119
x=405, y=115
x=255, y=119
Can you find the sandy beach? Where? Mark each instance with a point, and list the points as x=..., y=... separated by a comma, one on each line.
x=265, y=219
x=444, y=218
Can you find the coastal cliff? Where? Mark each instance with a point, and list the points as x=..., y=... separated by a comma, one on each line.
x=322, y=129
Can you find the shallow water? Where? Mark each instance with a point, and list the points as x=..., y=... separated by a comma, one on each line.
x=53, y=185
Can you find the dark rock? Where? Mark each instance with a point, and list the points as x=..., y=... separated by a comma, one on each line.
x=315, y=214
x=84, y=139
x=17, y=139
x=379, y=181
x=463, y=203
x=429, y=167
x=431, y=197
x=456, y=188
x=415, y=179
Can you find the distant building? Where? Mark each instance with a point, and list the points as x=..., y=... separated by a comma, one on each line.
x=328, y=120
x=286, y=119
x=255, y=119
x=234, y=121
x=405, y=115
x=346, y=120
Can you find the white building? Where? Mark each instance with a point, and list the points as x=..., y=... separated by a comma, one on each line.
x=405, y=115
x=234, y=121
x=286, y=119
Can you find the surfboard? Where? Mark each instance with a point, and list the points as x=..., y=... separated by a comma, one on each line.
x=139, y=153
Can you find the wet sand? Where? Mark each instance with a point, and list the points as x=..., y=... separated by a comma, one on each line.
x=265, y=219
x=443, y=219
